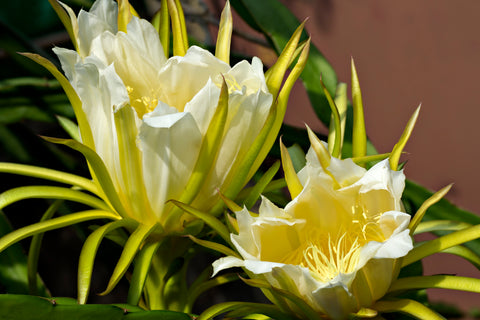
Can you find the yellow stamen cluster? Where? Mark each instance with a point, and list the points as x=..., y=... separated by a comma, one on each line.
x=327, y=255
x=142, y=104
x=327, y=260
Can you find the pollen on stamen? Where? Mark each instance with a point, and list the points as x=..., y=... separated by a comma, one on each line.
x=332, y=258
x=142, y=104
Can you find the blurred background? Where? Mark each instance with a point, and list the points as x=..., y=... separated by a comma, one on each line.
x=406, y=53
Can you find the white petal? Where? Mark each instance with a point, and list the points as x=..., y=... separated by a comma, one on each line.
x=68, y=59
x=225, y=263
x=346, y=172
x=398, y=244
x=190, y=73
x=133, y=66
x=168, y=163
x=244, y=241
x=203, y=105
x=335, y=301
x=260, y=267
x=144, y=37
x=269, y=239
x=268, y=209
x=101, y=18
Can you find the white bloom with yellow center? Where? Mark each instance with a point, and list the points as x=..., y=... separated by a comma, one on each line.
x=149, y=115
x=335, y=245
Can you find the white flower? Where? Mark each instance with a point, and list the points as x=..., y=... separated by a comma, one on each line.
x=336, y=244
x=149, y=115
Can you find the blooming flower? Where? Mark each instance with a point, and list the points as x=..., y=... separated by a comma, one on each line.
x=336, y=245
x=149, y=116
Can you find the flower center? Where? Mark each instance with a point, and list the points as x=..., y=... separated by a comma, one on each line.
x=328, y=259
x=328, y=254
x=142, y=104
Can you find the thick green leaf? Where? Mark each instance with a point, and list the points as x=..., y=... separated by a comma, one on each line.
x=264, y=16
x=21, y=307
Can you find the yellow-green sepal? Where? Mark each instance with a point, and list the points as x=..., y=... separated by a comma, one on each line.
x=340, y=103
x=322, y=153
x=336, y=149
x=427, y=204
x=142, y=266
x=372, y=158
x=130, y=163
x=67, y=16
x=359, y=134
x=260, y=186
x=124, y=15
x=85, y=131
x=179, y=29
x=132, y=246
x=293, y=182
x=280, y=108
x=161, y=22
x=98, y=169
x=398, y=148
x=274, y=76
x=441, y=243
x=440, y=225
x=465, y=253
x=52, y=224
x=49, y=192
x=50, y=174
x=209, y=149
x=207, y=155
x=209, y=219
x=87, y=257
x=224, y=37
x=215, y=246
x=436, y=281
x=410, y=307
